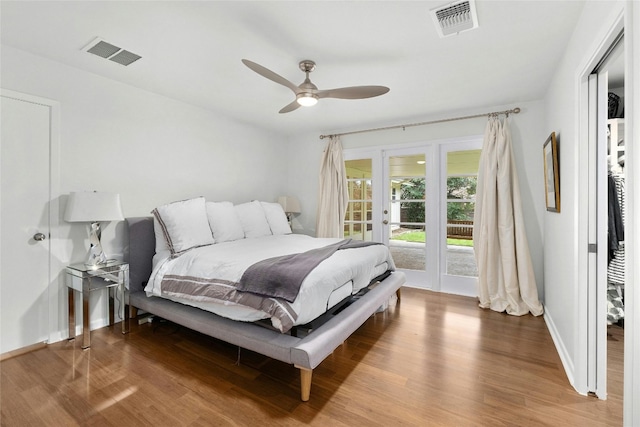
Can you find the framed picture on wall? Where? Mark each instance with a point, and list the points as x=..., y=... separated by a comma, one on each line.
x=551, y=173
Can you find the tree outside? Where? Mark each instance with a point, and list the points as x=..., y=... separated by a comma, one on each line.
x=458, y=187
x=462, y=188
x=461, y=191
x=413, y=189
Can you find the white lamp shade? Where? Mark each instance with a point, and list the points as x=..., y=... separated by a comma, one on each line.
x=290, y=204
x=92, y=206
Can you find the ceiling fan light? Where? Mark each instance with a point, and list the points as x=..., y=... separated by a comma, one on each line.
x=307, y=99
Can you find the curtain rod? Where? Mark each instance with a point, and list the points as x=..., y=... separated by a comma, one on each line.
x=495, y=113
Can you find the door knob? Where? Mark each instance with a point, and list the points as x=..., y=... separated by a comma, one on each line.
x=385, y=211
x=39, y=237
x=385, y=222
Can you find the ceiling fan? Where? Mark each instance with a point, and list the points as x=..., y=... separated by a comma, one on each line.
x=307, y=94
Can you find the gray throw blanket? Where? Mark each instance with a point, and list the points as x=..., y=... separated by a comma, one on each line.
x=281, y=277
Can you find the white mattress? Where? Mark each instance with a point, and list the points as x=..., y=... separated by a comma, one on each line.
x=345, y=272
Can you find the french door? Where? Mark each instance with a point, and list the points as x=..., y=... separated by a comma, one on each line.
x=459, y=163
x=419, y=201
x=409, y=214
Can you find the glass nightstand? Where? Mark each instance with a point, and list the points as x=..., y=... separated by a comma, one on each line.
x=114, y=276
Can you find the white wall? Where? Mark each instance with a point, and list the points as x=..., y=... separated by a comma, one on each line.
x=561, y=232
x=149, y=148
x=528, y=131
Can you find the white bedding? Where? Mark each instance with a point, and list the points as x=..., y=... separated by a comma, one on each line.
x=222, y=265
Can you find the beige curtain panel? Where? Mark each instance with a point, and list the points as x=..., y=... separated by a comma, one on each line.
x=333, y=194
x=506, y=282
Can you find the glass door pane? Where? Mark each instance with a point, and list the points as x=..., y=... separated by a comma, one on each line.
x=461, y=183
x=406, y=211
x=358, y=224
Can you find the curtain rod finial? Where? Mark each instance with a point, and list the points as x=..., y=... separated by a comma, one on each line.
x=516, y=110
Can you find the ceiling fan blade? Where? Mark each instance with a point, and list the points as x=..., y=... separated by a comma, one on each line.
x=290, y=107
x=265, y=72
x=354, y=92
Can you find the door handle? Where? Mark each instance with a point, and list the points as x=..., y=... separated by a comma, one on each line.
x=39, y=237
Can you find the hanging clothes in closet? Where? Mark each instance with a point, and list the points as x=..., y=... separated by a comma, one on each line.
x=616, y=267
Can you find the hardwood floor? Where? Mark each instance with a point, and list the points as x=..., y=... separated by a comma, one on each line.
x=434, y=359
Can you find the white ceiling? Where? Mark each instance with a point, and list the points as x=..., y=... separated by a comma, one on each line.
x=191, y=51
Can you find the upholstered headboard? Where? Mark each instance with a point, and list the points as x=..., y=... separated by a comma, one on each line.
x=142, y=247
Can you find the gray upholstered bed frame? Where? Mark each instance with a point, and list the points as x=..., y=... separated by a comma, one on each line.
x=304, y=353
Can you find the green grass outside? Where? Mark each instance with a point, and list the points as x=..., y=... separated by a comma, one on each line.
x=419, y=237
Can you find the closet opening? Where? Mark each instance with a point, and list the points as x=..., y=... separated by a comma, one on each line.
x=606, y=223
x=616, y=219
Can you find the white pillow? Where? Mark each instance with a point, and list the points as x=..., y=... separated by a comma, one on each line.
x=184, y=225
x=276, y=218
x=161, y=241
x=224, y=222
x=253, y=220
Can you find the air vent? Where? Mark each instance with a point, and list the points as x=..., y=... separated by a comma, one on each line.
x=125, y=57
x=111, y=52
x=455, y=18
x=103, y=49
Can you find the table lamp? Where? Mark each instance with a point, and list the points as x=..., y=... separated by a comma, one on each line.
x=290, y=205
x=93, y=207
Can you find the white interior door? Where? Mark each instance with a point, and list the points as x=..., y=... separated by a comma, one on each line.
x=24, y=223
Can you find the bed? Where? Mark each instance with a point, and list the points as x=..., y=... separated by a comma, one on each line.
x=305, y=343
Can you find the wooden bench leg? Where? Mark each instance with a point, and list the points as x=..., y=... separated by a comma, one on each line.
x=305, y=383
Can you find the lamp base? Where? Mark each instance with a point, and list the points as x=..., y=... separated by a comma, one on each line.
x=96, y=255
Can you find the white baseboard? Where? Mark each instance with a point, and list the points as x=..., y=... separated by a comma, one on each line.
x=567, y=363
x=58, y=336
x=62, y=335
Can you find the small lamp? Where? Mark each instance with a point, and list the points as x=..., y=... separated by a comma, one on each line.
x=290, y=205
x=93, y=207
